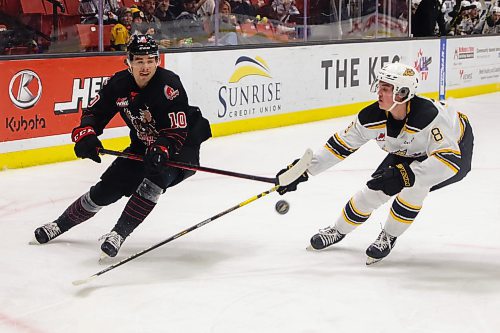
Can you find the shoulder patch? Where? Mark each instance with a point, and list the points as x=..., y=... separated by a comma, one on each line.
x=170, y=92
x=372, y=116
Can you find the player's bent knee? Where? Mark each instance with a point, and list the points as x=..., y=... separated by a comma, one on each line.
x=149, y=190
x=88, y=204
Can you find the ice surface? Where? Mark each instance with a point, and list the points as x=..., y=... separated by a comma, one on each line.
x=249, y=271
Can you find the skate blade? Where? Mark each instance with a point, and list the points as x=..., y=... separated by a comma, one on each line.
x=371, y=261
x=34, y=242
x=311, y=249
x=104, y=259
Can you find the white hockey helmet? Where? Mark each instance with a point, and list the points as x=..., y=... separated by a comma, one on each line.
x=402, y=77
x=478, y=5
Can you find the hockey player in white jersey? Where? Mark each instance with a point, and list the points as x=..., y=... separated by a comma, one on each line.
x=428, y=145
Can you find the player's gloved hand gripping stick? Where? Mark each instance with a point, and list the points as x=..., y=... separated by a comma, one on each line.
x=296, y=170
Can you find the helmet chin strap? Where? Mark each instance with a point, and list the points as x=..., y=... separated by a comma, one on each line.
x=392, y=106
x=129, y=65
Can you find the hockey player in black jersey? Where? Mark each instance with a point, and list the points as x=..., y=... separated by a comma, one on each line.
x=154, y=105
x=429, y=146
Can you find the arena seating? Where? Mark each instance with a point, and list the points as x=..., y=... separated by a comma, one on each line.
x=89, y=36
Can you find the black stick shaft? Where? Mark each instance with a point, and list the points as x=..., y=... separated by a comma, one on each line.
x=192, y=167
x=182, y=233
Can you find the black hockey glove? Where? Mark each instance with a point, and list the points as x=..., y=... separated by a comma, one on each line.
x=293, y=185
x=156, y=156
x=86, y=143
x=393, y=179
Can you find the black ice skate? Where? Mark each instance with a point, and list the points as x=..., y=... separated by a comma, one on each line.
x=111, y=243
x=324, y=238
x=380, y=248
x=45, y=233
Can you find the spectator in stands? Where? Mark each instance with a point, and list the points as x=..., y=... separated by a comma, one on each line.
x=466, y=25
x=226, y=14
x=164, y=11
x=151, y=24
x=492, y=22
x=285, y=9
x=165, y=35
x=425, y=17
x=89, y=11
x=227, y=26
x=137, y=15
x=475, y=18
x=459, y=13
x=189, y=11
x=138, y=27
x=176, y=7
x=149, y=8
x=264, y=9
x=120, y=33
x=243, y=10
x=206, y=7
x=189, y=25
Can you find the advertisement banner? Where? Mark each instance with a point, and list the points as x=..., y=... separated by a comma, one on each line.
x=472, y=62
x=43, y=98
x=240, y=89
x=249, y=83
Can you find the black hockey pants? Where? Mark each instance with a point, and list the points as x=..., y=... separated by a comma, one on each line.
x=124, y=176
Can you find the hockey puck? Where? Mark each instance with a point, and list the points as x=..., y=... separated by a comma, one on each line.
x=282, y=207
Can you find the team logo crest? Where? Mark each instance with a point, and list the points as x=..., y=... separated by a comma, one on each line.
x=409, y=72
x=170, y=92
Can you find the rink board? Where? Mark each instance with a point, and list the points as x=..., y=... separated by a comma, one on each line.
x=237, y=90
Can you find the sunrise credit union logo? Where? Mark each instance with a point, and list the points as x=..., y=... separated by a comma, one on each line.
x=25, y=89
x=251, y=90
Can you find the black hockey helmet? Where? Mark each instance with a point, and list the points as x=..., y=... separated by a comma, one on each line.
x=142, y=45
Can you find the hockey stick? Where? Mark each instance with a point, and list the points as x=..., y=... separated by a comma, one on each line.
x=284, y=179
x=296, y=170
x=182, y=233
x=187, y=166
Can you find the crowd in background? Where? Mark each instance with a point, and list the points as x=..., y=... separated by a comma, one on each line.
x=441, y=18
x=181, y=23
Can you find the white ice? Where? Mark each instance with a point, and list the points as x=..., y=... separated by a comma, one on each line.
x=248, y=271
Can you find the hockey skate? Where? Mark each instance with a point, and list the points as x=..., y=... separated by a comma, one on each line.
x=381, y=248
x=324, y=238
x=46, y=233
x=111, y=244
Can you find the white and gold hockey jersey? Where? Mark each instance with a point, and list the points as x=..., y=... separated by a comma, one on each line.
x=429, y=130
